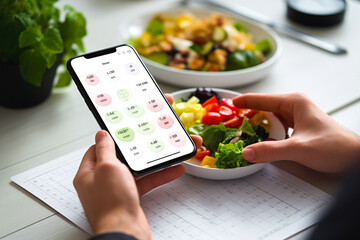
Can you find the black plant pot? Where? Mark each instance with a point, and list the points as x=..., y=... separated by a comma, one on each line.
x=15, y=92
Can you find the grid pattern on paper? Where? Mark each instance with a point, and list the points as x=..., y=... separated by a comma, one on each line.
x=254, y=207
x=260, y=206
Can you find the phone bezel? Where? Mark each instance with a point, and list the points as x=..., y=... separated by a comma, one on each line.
x=100, y=121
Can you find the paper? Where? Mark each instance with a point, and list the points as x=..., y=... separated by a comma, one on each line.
x=270, y=204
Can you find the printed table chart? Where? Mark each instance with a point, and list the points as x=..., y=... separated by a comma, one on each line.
x=265, y=205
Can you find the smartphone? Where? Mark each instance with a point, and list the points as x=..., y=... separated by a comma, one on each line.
x=127, y=102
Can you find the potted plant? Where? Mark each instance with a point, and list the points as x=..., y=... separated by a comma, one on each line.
x=34, y=41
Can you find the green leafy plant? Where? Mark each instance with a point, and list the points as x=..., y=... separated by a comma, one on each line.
x=34, y=36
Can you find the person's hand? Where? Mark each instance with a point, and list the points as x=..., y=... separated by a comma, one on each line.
x=109, y=193
x=317, y=140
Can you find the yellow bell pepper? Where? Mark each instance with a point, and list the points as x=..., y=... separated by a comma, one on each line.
x=190, y=111
x=208, y=161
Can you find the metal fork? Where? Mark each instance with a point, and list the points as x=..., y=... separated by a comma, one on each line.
x=281, y=28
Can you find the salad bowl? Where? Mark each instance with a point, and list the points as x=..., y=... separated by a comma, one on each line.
x=193, y=167
x=134, y=27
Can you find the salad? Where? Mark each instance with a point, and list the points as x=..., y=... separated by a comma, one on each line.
x=225, y=129
x=212, y=44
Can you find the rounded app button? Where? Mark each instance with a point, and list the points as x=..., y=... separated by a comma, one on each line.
x=155, y=105
x=113, y=117
x=134, y=151
x=112, y=75
x=165, y=121
x=144, y=87
x=92, y=79
x=145, y=128
x=103, y=99
x=124, y=95
x=132, y=68
x=156, y=145
x=125, y=134
x=135, y=111
x=177, y=139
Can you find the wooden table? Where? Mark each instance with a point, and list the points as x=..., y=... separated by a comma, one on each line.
x=63, y=123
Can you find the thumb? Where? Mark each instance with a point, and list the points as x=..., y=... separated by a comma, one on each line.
x=269, y=151
x=104, y=147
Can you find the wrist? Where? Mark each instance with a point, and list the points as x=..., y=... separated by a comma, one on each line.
x=353, y=150
x=133, y=224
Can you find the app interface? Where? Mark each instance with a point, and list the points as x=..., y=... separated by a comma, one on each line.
x=134, y=111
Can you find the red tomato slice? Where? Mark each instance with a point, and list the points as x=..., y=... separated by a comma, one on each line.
x=226, y=113
x=235, y=122
x=209, y=101
x=227, y=102
x=212, y=107
x=202, y=152
x=212, y=118
x=247, y=112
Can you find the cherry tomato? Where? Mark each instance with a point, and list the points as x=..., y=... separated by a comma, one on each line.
x=226, y=113
x=202, y=152
x=209, y=101
x=212, y=118
x=247, y=112
x=212, y=107
x=227, y=102
x=235, y=122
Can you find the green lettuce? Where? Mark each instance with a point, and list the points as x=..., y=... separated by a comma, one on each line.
x=263, y=46
x=230, y=155
x=230, y=134
x=246, y=127
x=213, y=135
x=155, y=27
x=198, y=129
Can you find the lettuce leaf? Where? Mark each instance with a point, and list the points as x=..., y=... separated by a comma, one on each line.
x=198, y=129
x=213, y=135
x=230, y=155
x=246, y=127
x=230, y=134
x=155, y=27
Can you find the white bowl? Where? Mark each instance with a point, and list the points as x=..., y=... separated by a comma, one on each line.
x=193, y=167
x=135, y=26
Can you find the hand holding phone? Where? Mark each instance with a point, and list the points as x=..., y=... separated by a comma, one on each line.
x=126, y=101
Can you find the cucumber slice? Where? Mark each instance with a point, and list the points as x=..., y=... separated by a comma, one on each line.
x=206, y=48
x=219, y=34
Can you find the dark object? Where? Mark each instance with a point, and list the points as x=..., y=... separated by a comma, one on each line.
x=319, y=13
x=261, y=132
x=203, y=94
x=113, y=236
x=342, y=219
x=15, y=92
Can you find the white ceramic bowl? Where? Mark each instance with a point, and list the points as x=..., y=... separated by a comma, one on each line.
x=134, y=27
x=193, y=167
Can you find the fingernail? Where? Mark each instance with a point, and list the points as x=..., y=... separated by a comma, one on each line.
x=249, y=154
x=100, y=134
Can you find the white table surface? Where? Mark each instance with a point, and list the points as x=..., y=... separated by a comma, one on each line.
x=63, y=123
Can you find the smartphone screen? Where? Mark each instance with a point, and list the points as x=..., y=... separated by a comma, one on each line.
x=127, y=102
